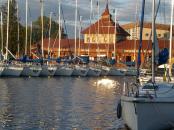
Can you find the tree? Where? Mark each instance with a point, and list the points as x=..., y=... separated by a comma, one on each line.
x=13, y=27
x=37, y=28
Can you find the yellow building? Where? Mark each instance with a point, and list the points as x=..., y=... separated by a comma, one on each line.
x=134, y=30
x=104, y=31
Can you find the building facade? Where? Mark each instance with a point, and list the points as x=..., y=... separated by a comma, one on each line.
x=162, y=31
x=104, y=31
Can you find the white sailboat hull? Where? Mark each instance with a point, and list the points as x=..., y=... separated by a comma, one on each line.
x=148, y=114
x=116, y=72
x=64, y=71
x=80, y=71
x=48, y=70
x=131, y=72
x=33, y=71
x=12, y=71
x=1, y=70
x=94, y=72
x=105, y=71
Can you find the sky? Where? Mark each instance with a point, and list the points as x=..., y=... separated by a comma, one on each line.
x=127, y=11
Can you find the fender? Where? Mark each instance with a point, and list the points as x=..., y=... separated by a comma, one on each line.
x=119, y=110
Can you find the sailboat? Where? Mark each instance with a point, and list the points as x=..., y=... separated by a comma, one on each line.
x=79, y=70
x=62, y=69
x=29, y=69
x=47, y=69
x=10, y=69
x=149, y=106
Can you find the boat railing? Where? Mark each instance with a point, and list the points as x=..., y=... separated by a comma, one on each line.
x=130, y=89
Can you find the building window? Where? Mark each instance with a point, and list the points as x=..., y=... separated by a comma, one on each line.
x=166, y=35
x=147, y=34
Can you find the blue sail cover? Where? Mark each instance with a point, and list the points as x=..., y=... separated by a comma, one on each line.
x=163, y=56
x=85, y=59
x=112, y=61
x=58, y=60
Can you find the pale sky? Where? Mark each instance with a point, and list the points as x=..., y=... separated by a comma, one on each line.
x=126, y=10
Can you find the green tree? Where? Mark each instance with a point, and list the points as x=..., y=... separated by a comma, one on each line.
x=13, y=27
x=37, y=28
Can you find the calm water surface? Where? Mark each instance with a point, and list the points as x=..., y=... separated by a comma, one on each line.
x=60, y=103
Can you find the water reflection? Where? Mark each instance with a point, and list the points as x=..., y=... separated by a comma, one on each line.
x=59, y=103
x=106, y=83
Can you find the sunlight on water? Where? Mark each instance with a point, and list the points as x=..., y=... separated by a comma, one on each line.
x=106, y=83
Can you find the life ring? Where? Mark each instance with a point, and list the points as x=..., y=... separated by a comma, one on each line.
x=119, y=110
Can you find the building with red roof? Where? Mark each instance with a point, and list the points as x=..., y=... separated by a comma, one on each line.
x=105, y=30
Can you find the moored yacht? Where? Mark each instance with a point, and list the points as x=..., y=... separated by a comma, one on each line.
x=1, y=68
x=131, y=71
x=154, y=105
x=80, y=70
x=93, y=71
x=48, y=70
x=149, y=106
x=116, y=72
x=12, y=70
x=31, y=70
x=105, y=70
x=64, y=70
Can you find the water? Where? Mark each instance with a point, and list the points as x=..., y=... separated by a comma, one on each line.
x=59, y=103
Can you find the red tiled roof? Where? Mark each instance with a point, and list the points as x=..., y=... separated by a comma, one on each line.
x=105, y=25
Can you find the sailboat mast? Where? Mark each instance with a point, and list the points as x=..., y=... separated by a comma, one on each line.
x=26, y=27
x=42, y=27
x=153, y=41
x=2, y=40
x=49, y=34
x=75, y=47
x=80, y=34
x=31, y=32
x=59, y=27
x=90, y=22
x=18, y=28
x=7, y=40
x=115, y=33
x=140, y=43
x=98, y=51
x=136, y=21
x=171, y=32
